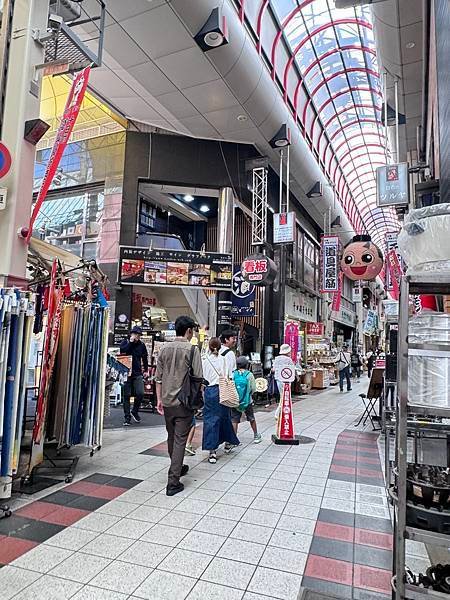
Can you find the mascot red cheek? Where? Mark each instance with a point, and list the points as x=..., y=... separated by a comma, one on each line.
x=361, y=259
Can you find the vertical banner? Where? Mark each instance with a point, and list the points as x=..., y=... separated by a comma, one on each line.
x=395, y=272
x=71, y=110
x=330, y=263
x=391, y=244
x=336, y=304
x=291, y=337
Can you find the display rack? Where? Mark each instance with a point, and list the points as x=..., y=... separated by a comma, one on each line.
x=436, y=284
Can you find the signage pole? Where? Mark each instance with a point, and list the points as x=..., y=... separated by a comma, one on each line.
x=225, y=238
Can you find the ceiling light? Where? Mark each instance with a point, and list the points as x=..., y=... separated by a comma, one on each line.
x=204, y=208
x=410, y=45
x=214, y=32
x=188, y=198
x=282, y=138
x=242, y=118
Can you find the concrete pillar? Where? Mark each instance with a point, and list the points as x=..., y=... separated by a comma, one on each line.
x=225, y=240
x=22, y=98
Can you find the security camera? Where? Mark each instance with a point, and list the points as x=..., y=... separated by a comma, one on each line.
x=54, y=23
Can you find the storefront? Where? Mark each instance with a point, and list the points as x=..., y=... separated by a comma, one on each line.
x=301, y=309
x=344, y=325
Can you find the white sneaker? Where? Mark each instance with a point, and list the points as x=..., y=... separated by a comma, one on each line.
x=257, y=439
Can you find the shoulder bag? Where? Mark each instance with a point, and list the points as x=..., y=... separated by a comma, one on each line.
x=228, y=395
x=191, y=393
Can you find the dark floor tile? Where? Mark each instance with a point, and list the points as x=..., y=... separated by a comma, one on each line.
x=332, y=549
x=124, y=482
x=370, y=480
x=13, y=524
x=337, y=517
x=370, y=467
x=99, y=478
x=37, y=531
x=359, y=594
x=89, y=503
x=154, y=452
x=373, y=523
x=341, y=476
x=63, y=498
x=327, y=587
x=364, y=454
x=344, y=463
x=373, y=557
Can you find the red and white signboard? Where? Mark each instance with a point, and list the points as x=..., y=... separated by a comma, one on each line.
x=69, y=117
x=330, y=263
x=283, y=228
x=395, y=272
x=315, y=329
x=337, y=296
x=285, y=425
x=292, y=337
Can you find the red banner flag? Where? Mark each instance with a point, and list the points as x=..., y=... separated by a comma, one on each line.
x=336, y=304
x=65, y=128
x=395, y=272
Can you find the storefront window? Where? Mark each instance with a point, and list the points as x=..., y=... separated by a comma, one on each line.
x=72, y=223
x=310, y=263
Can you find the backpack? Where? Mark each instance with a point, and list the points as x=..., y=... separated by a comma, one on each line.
x=242, y=383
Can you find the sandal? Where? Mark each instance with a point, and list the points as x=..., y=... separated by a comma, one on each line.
x=212, y=458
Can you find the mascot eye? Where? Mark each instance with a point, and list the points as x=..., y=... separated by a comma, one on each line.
x=349, y=259
x=367, y=258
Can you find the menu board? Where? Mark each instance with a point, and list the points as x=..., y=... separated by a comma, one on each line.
x=177, y=268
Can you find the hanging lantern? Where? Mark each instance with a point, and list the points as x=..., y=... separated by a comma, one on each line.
x=361, y=259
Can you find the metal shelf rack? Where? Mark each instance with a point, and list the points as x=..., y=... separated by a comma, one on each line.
x=435, y=284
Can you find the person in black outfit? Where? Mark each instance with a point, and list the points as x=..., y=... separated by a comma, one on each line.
x=134, y=386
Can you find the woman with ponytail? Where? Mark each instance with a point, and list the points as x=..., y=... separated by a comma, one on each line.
x=217, y=426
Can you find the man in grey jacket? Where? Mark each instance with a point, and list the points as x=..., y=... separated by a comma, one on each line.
x=171, y=369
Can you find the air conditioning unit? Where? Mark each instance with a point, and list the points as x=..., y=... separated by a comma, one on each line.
x=66, y=9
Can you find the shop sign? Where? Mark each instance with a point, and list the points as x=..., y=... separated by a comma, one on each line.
x=158, y=267
x=395, y=273
x=3, y=196
x=259, y=269
x=71, y=110
x=315, y=329
x=345, y=316
x=370, y=325
x=224, y=308
x=300, y=306
x=283, y=228
x=392, y=185
x=292, y=337
x=330, y=263
x=285, y=423
x=361, y=259
x=243, y=295
x=337, y=296
x=357, y=293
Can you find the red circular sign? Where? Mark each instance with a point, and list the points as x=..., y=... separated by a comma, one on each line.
x=286, y=373
x=5, y=160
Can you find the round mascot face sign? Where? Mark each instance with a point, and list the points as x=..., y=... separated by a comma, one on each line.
x=361, y=259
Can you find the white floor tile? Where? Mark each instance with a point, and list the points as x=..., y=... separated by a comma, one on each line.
x=121, y=577
x=224, y=572
x=162, y=585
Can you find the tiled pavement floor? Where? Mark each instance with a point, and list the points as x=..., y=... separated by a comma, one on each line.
x=257, y=525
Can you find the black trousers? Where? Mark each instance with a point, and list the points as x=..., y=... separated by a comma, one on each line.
x=134, y=386
x=178, y=424
x=344, y=374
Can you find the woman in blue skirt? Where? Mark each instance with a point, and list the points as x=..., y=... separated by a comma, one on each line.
x=217, y=426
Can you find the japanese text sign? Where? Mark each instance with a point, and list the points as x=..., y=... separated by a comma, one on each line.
x=330, y=263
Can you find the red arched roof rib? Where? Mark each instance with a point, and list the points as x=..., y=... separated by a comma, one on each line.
x=284, y=24
x=262, y=8
x=341, y=129
x=330, y=78
x=337, y=114
x=335, y=97
x=313, y=33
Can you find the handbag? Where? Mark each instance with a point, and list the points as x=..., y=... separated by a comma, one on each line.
x=228, y=395
x=191, y=393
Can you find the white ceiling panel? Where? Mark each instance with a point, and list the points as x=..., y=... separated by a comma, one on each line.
x=123, y=48
x=151, y=32
x=187, y=68
x=246, y=73
x=139, y=109
x=152, y=79
x=108, y=83
x=200, y=127
x=410, y=11
x=121, y=9
x=211, y=96
x=178, y=105
x=227, y=119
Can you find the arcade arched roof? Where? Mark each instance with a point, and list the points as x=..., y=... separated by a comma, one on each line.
x=324, y=62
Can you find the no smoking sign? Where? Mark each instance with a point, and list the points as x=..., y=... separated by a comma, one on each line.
x=284, y=370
